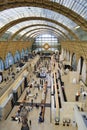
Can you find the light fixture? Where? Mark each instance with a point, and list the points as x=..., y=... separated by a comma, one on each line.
x=77, y=27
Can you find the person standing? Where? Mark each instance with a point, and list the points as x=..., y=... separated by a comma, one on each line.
x=30, y=122
x=19, y=120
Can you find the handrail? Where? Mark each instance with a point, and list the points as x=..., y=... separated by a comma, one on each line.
x=56, y=97
x=61, y=93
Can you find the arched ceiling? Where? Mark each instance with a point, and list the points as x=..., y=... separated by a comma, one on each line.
x=41, y=32
x=36, y=34
x=20, y=25
x=31, y=28
x=69, y=8
x=67, y=14
x=35, y=26
x=7, y=26
x=25, y=35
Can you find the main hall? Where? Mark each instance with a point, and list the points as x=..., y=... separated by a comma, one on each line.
x=43, y=64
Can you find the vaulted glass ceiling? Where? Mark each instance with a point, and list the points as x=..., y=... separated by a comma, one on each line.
x=78, y=6
x=52, y=9
x=43, y=39
x=31, y=23
x=32, y=28
x=7, y=16
x=38, y=34
x=46, y=38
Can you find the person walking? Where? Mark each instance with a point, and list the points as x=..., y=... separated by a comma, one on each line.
x=19, y=120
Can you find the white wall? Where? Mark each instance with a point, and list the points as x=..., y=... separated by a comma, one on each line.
x=84, y=71
x=68, y=56
x=79, y=65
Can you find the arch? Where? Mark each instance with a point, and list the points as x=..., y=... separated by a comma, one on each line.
x=84, y=74
x=64, y=54
x=68, y=56
x=42, y=31
x=9, y=60
x=17, y=56
x=25, y=57
x=38, y=29
x=35, y=25
x=1, y=65
x=62, y=51
x=73, y=62
x=26, y=52
x=59, y=8
x=1, y=70
x=80, y=65
x=38, y=32
x=61, y=55
x=7, y=26
x=22, y=54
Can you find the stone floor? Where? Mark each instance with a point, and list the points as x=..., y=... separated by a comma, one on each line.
x=33, y=115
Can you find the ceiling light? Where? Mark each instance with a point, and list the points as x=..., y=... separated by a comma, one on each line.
x=77, y=27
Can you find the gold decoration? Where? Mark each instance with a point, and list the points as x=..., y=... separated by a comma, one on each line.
x=46, y=46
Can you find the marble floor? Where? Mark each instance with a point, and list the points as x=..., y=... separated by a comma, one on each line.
x=33, y=115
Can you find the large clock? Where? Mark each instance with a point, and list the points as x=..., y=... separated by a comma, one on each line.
x=46, y=46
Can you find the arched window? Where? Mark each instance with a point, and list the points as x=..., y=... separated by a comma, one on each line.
x=84, y=72
x=17, y=56
x=1, y=65
x=22, y=54
x=9, y=60
x=68, y=56
x=26, y=52
x=64, y=54
x=80, y=65
x=73, y=62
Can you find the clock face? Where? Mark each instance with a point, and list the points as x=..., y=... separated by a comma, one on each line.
x=46, y=46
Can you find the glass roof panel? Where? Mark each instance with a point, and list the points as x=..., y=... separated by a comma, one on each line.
x=37, y=35
x=46, y=38
x=33, y=22
x=78, y=6
x=41, y=31
x=21, y=12
x=42, y=28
